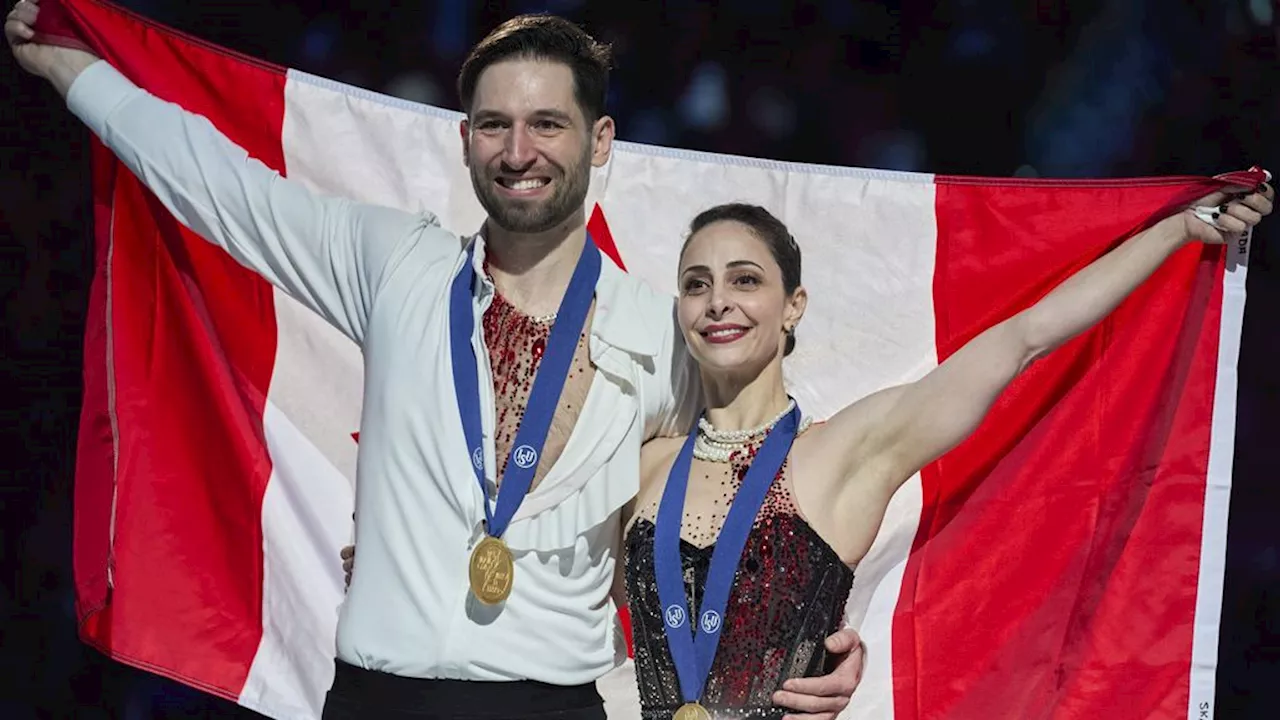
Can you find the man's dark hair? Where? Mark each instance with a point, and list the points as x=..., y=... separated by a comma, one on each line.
x=770, y=230
x=543, y=37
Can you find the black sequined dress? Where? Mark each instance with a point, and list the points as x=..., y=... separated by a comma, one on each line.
x=788, y=595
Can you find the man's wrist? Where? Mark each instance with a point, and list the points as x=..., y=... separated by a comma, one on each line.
x=66, y=67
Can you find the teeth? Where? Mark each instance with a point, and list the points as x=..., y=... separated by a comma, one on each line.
x=724, y=333
x=531, y=184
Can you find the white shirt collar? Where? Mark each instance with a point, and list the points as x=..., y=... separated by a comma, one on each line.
x=619, y=318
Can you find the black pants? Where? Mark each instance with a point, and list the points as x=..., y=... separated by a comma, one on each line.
x=359, y=694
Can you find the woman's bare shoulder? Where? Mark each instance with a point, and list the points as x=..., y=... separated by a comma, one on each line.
x=657, y=456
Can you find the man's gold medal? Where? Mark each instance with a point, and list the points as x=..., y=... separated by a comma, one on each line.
x=492, y=569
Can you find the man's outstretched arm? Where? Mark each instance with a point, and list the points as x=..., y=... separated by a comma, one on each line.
x=331, y=254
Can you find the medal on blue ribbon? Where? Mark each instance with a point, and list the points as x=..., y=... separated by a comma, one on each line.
x=693, y=640
x=492, y=566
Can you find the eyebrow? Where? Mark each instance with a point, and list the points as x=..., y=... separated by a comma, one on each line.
x=554, y=114
x=734, y=264
x=543, y=113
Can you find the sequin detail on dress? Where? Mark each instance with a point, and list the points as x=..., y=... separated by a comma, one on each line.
x=788, y=595
x=516, y=343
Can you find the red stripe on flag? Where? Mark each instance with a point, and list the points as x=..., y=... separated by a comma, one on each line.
x=193, y=346
x=1054, y=572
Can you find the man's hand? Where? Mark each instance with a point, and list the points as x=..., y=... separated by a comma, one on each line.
x=348, y=555
x=822, y=698
x=59, y=65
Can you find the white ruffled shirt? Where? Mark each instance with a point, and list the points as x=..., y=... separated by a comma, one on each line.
x=382, y=276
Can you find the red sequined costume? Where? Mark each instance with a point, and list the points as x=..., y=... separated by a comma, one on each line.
x=516, y=343
x=788, y=595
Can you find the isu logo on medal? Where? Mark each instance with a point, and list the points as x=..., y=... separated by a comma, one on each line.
x=711, y=622
x=674, y=616
x=525, y=456
x=492, y=570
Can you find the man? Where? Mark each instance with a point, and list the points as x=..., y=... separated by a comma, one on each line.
x=511, y=364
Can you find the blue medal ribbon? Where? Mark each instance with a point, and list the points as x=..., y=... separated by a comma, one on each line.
x=693, y=650
x=548, y=382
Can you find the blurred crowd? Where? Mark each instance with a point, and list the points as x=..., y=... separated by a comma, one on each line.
x=1033, y=88
x=992, y=87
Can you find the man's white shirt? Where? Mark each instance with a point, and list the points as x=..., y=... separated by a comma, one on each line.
x=381, y=276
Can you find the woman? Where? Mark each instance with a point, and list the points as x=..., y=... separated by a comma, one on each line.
x=788, y=538
x=741, y=544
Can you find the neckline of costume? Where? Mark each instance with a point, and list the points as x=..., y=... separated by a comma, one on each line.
x=619, y=320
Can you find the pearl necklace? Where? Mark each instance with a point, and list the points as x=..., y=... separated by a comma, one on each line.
x=720, y=445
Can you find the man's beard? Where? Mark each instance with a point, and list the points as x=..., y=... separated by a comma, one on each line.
x=523, y=216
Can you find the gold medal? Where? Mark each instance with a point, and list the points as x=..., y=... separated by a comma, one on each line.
x=691, y=711
x=491, y=571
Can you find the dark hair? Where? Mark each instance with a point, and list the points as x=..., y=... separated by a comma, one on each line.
x=543, y=37
x=771, y=231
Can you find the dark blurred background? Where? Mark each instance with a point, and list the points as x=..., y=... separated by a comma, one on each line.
x=1050, y=88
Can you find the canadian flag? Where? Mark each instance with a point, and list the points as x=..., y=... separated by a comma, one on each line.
x=1065, y=562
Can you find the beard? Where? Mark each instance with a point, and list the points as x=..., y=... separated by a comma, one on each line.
x=534, y=216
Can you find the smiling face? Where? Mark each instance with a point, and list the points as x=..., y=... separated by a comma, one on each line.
x=734, y=308
x=529, y=146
